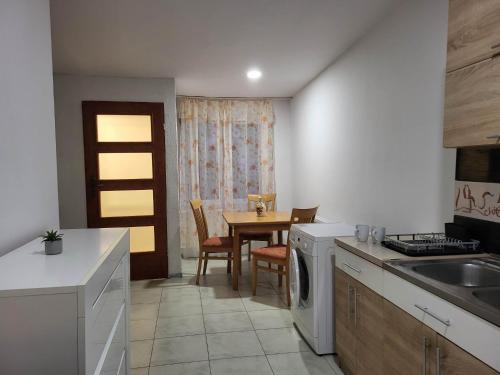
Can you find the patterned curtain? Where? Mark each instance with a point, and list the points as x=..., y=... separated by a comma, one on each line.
x=226, y=151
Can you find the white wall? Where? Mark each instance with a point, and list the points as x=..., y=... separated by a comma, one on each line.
x=28, y=188
x=367, y=138
x=283, y=154
x=69, y=92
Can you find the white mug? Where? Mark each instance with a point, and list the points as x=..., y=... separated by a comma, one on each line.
x=378, y=234
x=361, y=233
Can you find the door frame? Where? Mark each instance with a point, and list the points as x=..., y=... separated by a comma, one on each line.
x=143, y=265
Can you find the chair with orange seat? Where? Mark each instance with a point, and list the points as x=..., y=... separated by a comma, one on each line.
x=209, y=245
x=279, y=255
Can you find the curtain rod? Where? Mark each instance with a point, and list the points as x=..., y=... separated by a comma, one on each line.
x=235, y=97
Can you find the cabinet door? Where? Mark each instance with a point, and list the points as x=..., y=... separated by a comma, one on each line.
x=455, y=361
x=407, y=343
x=473, y=31
x=472, y=105
x=369, y=321
x=345, y=340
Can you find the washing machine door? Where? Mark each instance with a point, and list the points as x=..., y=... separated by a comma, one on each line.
x=299, y=280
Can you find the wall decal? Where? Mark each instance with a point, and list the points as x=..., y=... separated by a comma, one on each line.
x=478, y=200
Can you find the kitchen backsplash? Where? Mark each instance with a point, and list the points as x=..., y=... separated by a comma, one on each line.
x=477, y=195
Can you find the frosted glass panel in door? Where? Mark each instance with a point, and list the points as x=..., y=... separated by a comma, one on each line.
x=123, y=128
x=142, y=239
x=125, y=165
x=126, y=203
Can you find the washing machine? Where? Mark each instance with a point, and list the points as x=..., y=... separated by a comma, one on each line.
x=311, y=281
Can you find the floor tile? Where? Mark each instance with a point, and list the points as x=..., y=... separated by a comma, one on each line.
x=174, y=282
x=257, y=303
x=218, y=291
x=142, y=329
x=227, y=322
x=140, y=353
x=271, y=319
x=281, y=340
x=241, y=366
x=145, y=296
x=179, y=349
x=192, y=368
x=222, y=305
x=233, y=344
x=217, y=279
x=184, y=307
x=139, y=371
x=142, y=311
x=299, y=364
x=170, y=294
x=180, y=326
x=331, y=359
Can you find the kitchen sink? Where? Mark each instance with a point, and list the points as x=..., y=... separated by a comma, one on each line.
x=489, y=296
x=471, y=283
x=461, y=272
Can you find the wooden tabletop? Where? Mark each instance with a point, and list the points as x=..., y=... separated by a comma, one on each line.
x=251, y=218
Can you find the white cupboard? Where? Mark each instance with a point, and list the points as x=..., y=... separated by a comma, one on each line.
x=68, y=313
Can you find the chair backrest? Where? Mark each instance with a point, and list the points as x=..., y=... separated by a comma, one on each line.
x=268, y=199
x=200, y=219
x=300, y=216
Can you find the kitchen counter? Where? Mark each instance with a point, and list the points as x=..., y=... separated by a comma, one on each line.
x=378, y=254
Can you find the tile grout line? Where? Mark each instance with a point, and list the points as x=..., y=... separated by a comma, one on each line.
x=154, y=333
x=205, y=334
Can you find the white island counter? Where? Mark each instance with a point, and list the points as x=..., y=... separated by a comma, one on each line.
x=67, y=313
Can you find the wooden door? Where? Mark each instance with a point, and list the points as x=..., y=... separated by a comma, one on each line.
x=369, y=322
x=408, y=344
x=455, y=361
x=473, y=31
x=125, y=178
x=345, y=339
x=472, y=105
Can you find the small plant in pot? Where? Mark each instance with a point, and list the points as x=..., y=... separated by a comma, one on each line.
x=53, y=242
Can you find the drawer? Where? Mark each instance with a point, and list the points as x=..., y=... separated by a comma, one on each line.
x=471, y=333
x=113, y=358
x=103, y=315
x=95, y=285
x=360, y=269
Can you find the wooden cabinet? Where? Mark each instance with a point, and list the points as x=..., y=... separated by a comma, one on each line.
x=472, y=111
x=455, y=361
x=473, y=31
x=374, y=336
x=472, y=105
x=359, y=326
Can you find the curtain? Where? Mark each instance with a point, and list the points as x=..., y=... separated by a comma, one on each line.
x=226, y=151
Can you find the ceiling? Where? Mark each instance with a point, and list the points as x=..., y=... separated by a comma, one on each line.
x=208, y=45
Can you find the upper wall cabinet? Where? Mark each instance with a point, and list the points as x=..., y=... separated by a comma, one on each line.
x=473, y=31
x=472, y=105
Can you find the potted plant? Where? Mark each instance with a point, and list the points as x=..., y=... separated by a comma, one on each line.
x=53, y=242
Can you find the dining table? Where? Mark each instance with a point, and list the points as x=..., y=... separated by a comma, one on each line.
x=248, y=221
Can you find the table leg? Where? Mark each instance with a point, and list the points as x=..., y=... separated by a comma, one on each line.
x=236, y=257
x=280, y=237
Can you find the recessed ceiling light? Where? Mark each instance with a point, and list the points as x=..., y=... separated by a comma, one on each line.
x=254, y=74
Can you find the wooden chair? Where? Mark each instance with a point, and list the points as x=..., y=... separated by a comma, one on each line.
x=247, y=238
x=209, y=245
x=280, y=254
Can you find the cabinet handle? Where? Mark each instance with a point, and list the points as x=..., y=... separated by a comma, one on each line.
x=348, y=302
x=438, y=361
x=352, y=268
x=356, y=307
x=424, y=350
x=497, y=137
x=495, y=46
x=426, y=310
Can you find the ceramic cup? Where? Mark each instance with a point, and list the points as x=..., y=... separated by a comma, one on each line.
x=378, y=234
x=361, y=233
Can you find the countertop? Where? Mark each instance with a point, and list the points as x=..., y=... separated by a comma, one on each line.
x=378, y=254
x=28, y=268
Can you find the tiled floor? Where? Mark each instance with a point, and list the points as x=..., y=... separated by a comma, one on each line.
x=179, y=328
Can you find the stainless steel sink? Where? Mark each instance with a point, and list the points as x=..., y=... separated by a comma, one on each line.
x=471, y=283
x=489, y=296
x=467, y=273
